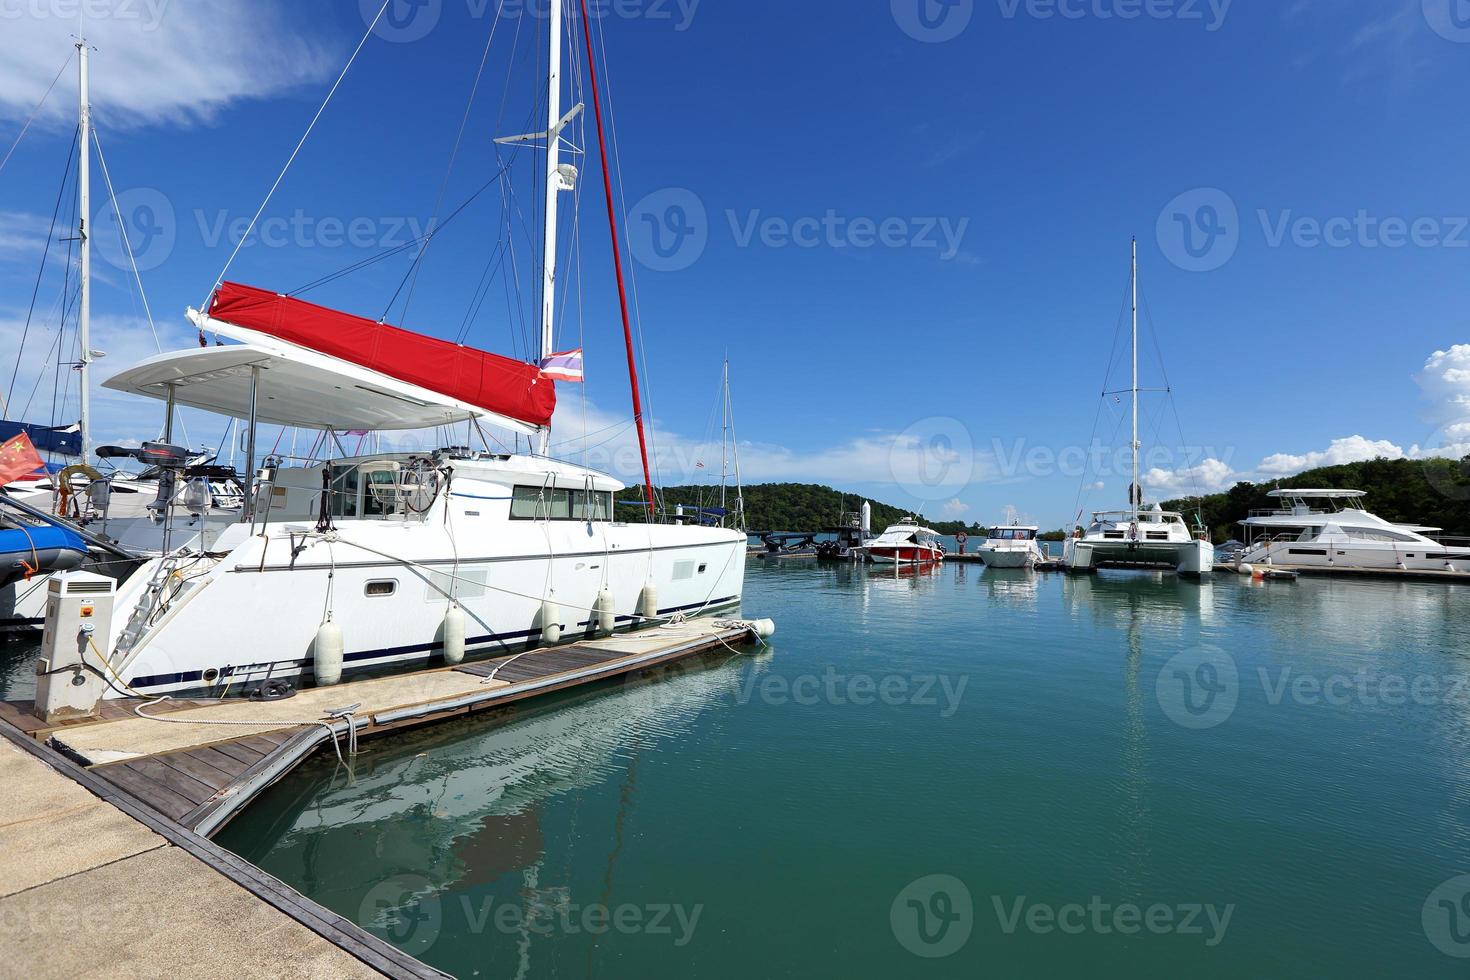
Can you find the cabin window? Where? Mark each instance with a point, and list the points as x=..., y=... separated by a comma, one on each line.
x=382, y=587
x=526, y=505
x=535, y=503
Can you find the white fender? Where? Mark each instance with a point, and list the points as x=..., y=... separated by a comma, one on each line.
x=550, y=623
x=606, y=615
x=454, y=635
x=326, y=654
x=648, y=602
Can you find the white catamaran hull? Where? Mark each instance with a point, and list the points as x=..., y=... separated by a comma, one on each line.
x=255, y=614
x=1186, y=557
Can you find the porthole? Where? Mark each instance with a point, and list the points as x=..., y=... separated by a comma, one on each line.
x=210, y=675
x=702, y=568
x=381, y=587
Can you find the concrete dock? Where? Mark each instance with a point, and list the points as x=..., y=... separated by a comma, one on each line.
x=104, y=823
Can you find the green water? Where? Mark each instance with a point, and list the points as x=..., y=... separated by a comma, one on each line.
x=1125, y=775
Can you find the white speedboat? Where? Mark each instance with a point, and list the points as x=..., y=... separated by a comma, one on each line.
x=1011, y=546
x=1331, y=529
x=1139, y=536
x=906, y=543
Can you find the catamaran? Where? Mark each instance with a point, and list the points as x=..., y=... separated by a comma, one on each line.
x=1332, y=529
x=1139, y=535
x=365, y=562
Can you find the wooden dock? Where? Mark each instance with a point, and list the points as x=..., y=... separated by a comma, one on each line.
x=176, y=776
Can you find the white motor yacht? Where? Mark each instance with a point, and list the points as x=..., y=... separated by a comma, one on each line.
x=1332, y=529
x=1012, y=546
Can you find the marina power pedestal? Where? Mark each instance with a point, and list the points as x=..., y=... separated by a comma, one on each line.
x=78, y=623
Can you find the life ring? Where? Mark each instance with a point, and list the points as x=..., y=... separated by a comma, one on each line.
x=63, y=483
x=962, y=537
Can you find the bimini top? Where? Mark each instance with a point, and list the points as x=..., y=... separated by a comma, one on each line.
x=462, y=381
x=297, y=387
x=1318, y=494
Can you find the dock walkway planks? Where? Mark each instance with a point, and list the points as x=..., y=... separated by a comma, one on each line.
x=73, y=849
x=178, y=781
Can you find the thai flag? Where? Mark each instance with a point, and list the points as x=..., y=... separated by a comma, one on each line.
x=566, y=366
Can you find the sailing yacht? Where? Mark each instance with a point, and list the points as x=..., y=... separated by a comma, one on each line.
x=1332, y=529
x=1139, y=535
x=366, y=562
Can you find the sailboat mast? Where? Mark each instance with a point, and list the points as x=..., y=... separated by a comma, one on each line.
x=1135, y=492
x=725, y=434
x=553, y=188
x=84, y=212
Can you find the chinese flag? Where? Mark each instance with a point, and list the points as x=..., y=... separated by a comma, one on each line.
x=18, y=458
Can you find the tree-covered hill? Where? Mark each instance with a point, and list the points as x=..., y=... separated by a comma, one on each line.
x=800, y=507
x=1435, y=492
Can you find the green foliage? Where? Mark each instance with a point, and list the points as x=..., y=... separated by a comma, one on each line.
x=1433, y=492
x=799, y=507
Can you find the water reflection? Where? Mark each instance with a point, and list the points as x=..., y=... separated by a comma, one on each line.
x=462, y=807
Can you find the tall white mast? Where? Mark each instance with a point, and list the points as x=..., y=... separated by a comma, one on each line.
x=84, y=211
x=725, y=434
x=1135, y=493
x=553, y=187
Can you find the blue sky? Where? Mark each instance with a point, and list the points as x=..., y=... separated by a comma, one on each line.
x=906, y=221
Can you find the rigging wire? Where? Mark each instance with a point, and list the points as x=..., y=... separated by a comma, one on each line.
x=219, y=280
x=454, y=155
x=46, y=251
x=32, y=117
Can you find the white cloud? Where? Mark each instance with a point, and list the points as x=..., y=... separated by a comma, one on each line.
x=1352, y=449
x=931, y=470
x=955, y=508
x=1209, y=476
x=1445, y=382
x=174, y=61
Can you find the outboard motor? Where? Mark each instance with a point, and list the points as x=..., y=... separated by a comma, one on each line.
x=167, y=461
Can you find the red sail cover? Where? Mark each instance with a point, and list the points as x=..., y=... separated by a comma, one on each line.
x=489, y=381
